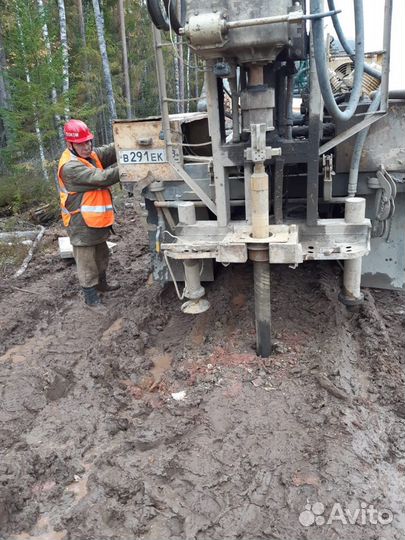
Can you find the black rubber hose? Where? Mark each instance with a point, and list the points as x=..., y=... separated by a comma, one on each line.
x=322, y=66
x=335, y=19
x=171, y=11
x=157, y=14
x=303, y=130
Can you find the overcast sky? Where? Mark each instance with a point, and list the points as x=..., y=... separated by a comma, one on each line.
x=374, y=16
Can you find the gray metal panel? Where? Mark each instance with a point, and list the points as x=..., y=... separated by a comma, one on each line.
x=384, y=267
x=220, y=176
x=250, y=43
x=385, y=143
x=162, y=275
x=315, y=122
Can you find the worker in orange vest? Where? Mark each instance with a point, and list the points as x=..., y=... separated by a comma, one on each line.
x=84, y=176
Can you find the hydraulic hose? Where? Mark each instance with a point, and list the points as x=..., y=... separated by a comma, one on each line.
x=392, y=94
x=157, y=14
x=358, y=148
x=322, y=67
x=171, y=10
x=335, y=19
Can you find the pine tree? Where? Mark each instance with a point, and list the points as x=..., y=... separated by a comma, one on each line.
x=54, y=95
x=4, y=95
x=105, y=63
x=57, y=62
x=125, y=57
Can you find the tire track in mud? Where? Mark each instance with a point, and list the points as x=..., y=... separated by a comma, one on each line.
x=358, y=466
x=362, y=431
x=311, y=464
x=46, y=413
x=108, y=455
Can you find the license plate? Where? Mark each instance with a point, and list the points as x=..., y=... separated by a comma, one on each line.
x=143, y=156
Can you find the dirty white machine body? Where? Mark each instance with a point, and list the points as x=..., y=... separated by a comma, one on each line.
x=248, y=179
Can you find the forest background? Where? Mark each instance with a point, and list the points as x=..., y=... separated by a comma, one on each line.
x=87, y=59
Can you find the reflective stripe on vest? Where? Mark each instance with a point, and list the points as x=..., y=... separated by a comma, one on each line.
x=95, y=206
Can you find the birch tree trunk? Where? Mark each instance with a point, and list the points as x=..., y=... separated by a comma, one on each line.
x=65, y=56
x=125, y=58
x=106, y=65
x=34, y=106
x=177, y=79
x=180, y=59
x=181, y=69
x=54, y=95
x=196, y=85
x=188, y=93
x=180, y=73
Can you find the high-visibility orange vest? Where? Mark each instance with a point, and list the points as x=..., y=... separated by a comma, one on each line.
x=96, y=205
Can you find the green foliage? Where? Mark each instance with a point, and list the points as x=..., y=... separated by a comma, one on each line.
x=33, y=72
x=23, y=190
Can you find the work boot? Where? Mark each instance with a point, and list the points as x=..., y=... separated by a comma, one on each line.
x=103, y=286
x=91, y=297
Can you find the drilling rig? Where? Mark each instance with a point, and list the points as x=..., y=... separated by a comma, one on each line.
x=252, y=177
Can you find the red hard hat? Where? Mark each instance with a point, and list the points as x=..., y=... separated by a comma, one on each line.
x=76, y=131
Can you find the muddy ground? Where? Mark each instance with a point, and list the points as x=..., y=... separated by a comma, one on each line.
x=94, y=446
